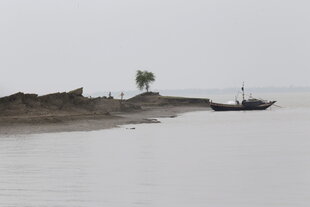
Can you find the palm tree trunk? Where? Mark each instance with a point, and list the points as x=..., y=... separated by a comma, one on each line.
x=147, y=88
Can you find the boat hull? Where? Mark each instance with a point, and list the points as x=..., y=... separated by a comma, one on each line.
x=240, y=107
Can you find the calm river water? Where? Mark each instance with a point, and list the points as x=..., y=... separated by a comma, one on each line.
x=216, y=159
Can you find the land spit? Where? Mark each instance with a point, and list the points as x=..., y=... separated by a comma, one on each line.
x=70, y=111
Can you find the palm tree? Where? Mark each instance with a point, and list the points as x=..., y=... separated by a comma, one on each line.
x=144, y=79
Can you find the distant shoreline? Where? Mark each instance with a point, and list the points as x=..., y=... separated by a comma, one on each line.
x=212, y=91
x=197, y=91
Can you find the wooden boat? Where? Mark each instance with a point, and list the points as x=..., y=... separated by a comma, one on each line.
x=246, y=105
x=239, y=107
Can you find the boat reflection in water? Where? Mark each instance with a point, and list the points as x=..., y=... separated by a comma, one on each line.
x=249, y=104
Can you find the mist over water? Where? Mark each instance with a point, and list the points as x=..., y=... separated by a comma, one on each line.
x=221, y=159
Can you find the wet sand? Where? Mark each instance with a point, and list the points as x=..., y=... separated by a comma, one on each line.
x=88, y=122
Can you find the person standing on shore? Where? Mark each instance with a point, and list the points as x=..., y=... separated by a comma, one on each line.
x=122, y=95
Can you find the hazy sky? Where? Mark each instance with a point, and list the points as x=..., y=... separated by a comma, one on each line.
x=58, y=45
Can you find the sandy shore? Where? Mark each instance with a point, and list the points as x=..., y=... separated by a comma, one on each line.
x=89, y=122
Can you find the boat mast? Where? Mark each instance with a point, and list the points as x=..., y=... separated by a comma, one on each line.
x=242, y=91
